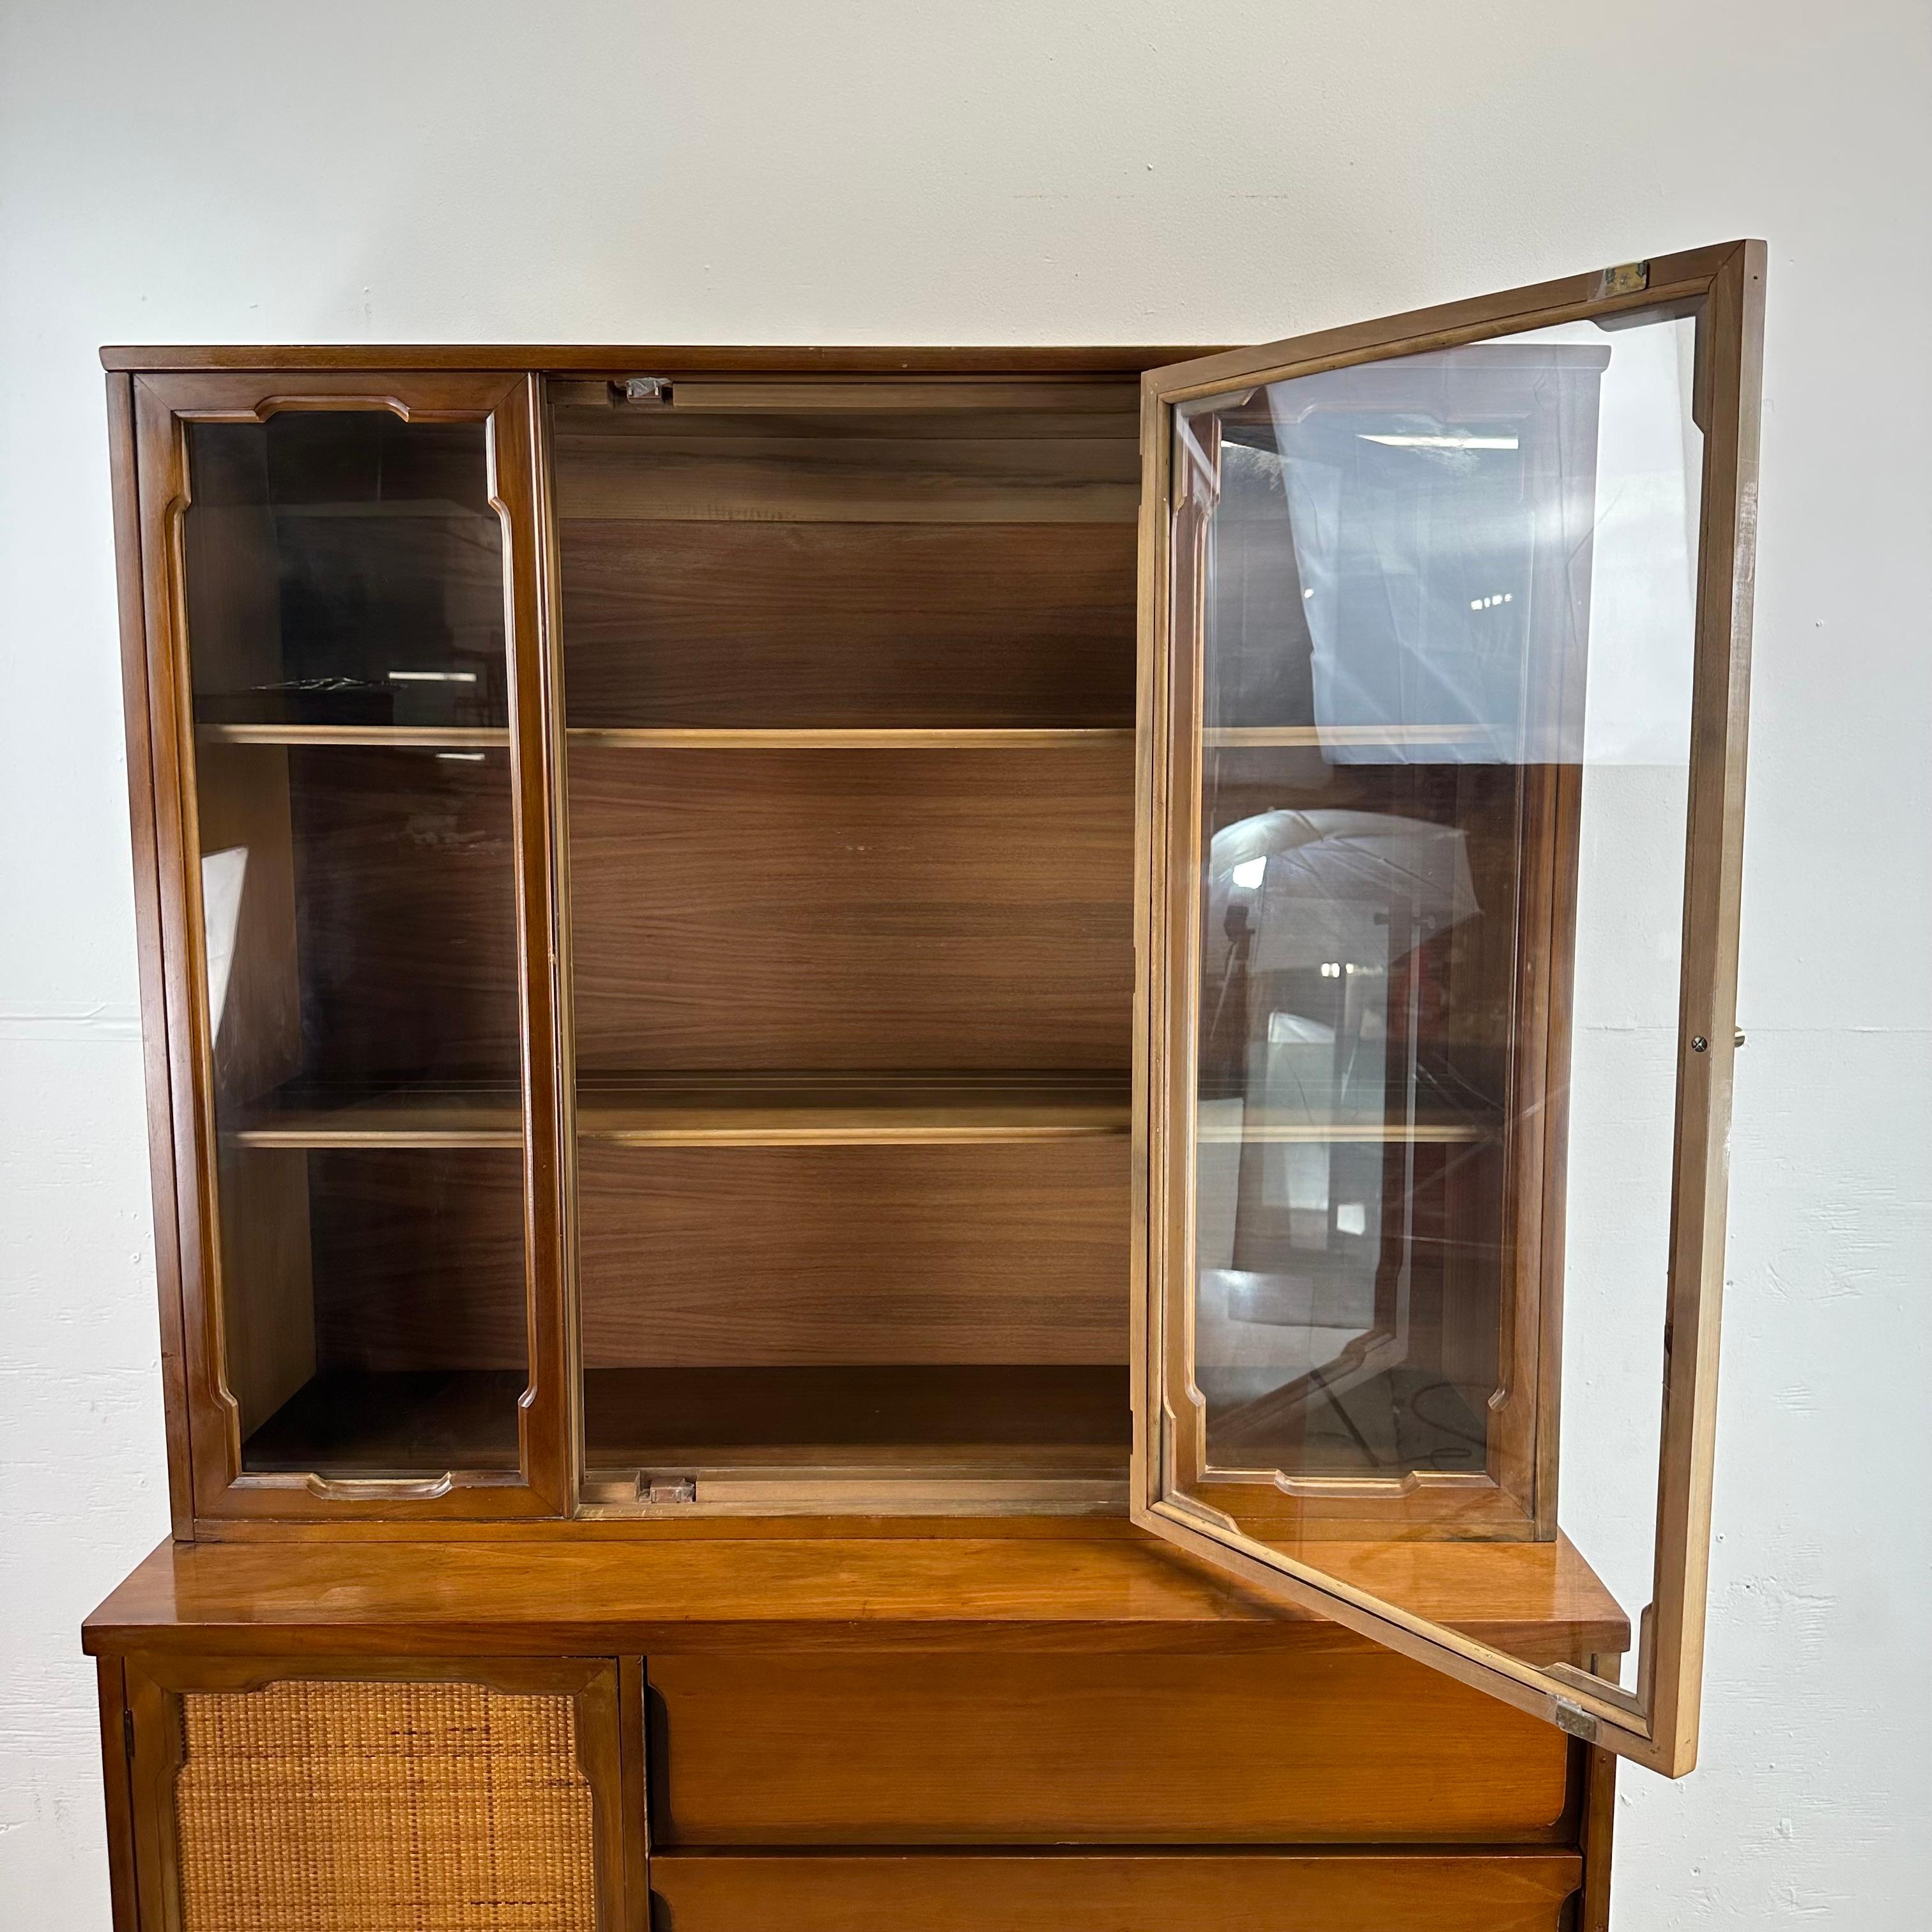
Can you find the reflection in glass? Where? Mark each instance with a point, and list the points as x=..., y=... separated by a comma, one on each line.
x=1444, y=607
x=346, y=568
x=344, y=594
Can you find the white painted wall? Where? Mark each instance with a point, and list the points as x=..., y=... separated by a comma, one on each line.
x=1232, y=170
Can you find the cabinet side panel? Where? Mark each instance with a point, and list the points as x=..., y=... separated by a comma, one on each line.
x=128, y=574
x=118, y=1789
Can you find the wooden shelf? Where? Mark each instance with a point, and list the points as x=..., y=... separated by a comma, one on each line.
x=947, y=1422
x=360, y=1426
x=716, y=1110
x=917, y=1412
x=812, y=738
x=681, y=1110
x=1328, y=1133
x=1258, y=737
x=396, y=737
x=440, y=508
x=301, y=1115
x=780, y=1110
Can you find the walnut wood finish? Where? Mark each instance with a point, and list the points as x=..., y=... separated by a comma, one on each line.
x=1598, y=1836
x=117, y=1765
x=896, y=1415
x=409, y=905
x=1056, y=407
x=1018, y=1749
x=419, y=1260
x=762, y=359
x=666, y=465
x=805, y=1429
x=956, y=1253
x=565, y=1590
x=1116, y=1891
x=169, y=1185
x=162, y=740
x=640, y=1110
x=866, y=625
x=856, y=911
x=370, y=737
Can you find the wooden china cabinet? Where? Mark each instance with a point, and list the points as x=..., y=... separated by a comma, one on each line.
x=939, y=1134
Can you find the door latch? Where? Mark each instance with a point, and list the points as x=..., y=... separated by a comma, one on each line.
x=667, y=1489
x=641, y=389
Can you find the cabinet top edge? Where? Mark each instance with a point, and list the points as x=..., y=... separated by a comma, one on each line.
x=770, y=358
x=857, y=1592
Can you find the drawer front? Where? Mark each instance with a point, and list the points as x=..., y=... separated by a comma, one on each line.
x=1261, y=1891
x=1288, y=1748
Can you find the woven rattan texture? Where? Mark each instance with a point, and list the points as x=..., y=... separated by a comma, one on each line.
x=383, y=1807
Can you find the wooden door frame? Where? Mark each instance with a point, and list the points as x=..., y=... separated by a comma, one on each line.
x=148, y=414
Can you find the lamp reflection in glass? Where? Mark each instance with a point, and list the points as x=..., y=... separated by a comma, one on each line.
x=1321, y=1120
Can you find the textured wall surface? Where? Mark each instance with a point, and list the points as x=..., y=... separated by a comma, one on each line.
x=703, y=170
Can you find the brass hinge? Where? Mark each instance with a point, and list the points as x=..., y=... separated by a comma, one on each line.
x=641, y=389
x=1627, y=278
x=1574, y=1719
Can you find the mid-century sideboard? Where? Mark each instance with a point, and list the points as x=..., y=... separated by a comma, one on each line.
x=899, y=1097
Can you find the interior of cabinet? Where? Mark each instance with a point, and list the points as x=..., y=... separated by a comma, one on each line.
x=849, y=683
x=357, y=882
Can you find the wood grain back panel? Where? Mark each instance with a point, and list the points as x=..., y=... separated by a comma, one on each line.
x=1119, y=1891
x=905, y=909
x=1003, y=466
x=419, y=1257
x=891, y=1418
x=788, y=624
x=753, y=1255
x=405, y=911
x=1335, y=1747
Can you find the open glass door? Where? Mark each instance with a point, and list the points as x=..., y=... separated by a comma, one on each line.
x=1447, y=625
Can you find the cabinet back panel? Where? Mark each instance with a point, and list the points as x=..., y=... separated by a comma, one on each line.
x=406, y=876
x=822, y=910
x=418, y=1257
x=842, y=624
x=373, y=932
x=761, y=465
x=691, y=1256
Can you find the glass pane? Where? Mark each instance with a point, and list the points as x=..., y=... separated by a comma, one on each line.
x=344, y=581
x=1445, y=608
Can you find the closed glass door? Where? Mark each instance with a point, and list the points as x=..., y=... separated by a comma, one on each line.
x=355, y=768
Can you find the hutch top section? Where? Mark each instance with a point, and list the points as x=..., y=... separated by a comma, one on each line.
x=935, y=933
